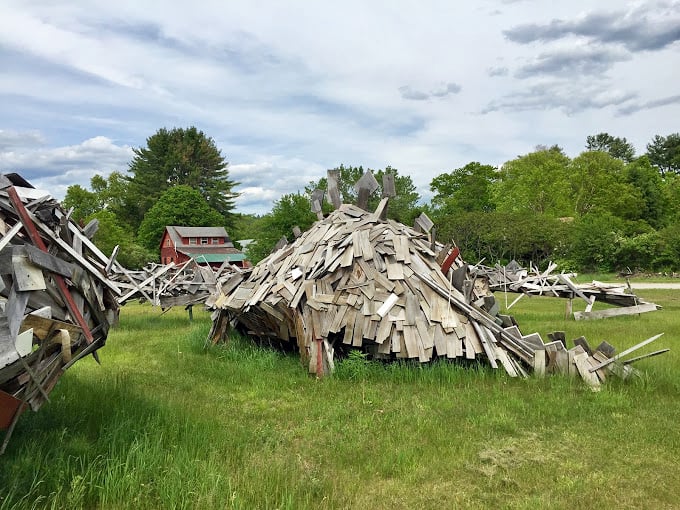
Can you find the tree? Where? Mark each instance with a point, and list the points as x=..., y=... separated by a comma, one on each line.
x=289, y=211
x=643, y=177
x=595, y=241
x=179, y=205
x=616, y=147
x=179, y=157
x=111, y=233
x=597, y=183
x=503, y=236
x=664, y=153
x=465, y=189
x=536, y=183
x=403, y=208
x=84, y=202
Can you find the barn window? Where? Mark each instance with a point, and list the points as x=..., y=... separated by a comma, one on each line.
x=192, y=240
x=167, y=242
x=204, y=240
x=216, y=240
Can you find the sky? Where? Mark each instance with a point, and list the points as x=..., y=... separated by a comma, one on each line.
x=289, y=89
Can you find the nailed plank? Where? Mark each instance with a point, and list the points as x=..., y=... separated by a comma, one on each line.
x=626, y=352
x=615, y=312
x=333, y=179
x=585, y=370
x=7, y=237
x=27, y=276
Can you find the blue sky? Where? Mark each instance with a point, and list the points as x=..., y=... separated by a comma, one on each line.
x=289, y=89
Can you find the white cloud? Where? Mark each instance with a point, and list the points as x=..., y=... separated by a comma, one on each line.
x=289, y=89
x=54, y=169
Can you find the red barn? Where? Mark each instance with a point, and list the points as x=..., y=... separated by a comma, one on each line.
x=206, y=245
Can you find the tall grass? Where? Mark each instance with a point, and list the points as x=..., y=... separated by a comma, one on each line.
x=164, y=423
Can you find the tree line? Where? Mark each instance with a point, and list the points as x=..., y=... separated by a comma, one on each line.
x=606, y=209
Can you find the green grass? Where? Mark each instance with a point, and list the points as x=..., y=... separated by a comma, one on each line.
x=163, y=423
x=637, y=278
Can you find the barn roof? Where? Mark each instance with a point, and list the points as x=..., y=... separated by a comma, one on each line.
x=176, y=233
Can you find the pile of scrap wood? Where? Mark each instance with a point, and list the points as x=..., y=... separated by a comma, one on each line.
x=171, y=285
x=56, y=302
x=360, y=281
x=357, y=280
x=533, y=282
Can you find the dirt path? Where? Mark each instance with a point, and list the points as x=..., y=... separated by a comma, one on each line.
x=651, y=285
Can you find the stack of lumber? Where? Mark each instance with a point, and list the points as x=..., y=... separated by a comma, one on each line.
x=532, y=281
x=56, y=302
x=356, y=280
x=175, y=285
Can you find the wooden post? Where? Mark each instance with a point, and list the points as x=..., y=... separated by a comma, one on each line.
x=317, y=203
x=319, y=358
x=333, y=191
x=364, y=187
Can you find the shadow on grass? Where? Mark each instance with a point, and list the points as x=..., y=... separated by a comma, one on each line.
x=88, y=426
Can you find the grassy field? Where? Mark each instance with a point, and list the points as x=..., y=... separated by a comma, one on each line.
x=163, y=423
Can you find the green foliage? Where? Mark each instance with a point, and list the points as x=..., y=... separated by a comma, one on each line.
x=644, y=178
x=246, y=226
x=664, y=153
x=110, y=193
x=535, y=183
x=111, y=233
x=354, y=367
x=594, y=242
x=179, y=205
x=638, y=251
x=84, y=202
x=464, y=189
x=179, y=157
x=598, y=183
x=289, y=211
x=616, y=147
x=666, y=255
x=503, y=236
x=671, y=197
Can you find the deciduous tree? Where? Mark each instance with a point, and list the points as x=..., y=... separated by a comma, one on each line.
x=468, y=189
x=289, y=211
x=597, y=183
x=536, y=183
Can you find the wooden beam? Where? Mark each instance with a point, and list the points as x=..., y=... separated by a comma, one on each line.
x=61, y=284
x=624, y=353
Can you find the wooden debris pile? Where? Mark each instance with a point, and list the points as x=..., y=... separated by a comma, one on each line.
x=56, y=302
x=176, y=285
x=532, y=281
x=356, y=280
